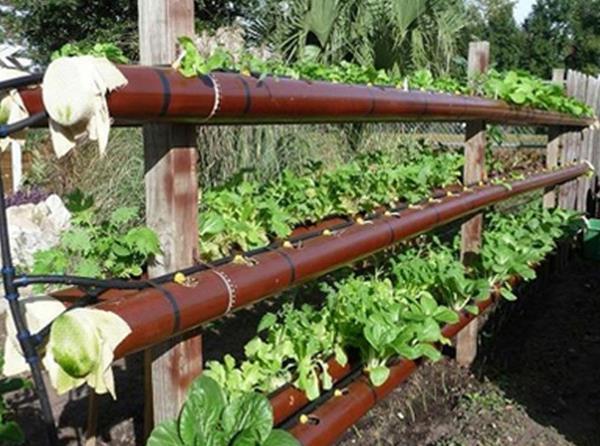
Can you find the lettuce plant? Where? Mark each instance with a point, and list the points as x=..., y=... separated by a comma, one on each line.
x=211, y=417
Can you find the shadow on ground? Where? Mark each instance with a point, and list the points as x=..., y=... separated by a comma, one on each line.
x=544, y=353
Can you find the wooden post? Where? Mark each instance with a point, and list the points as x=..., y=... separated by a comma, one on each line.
x=171, y=208
x=474, y=172
x=553, y=148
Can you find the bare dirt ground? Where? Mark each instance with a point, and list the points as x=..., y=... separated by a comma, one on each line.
x=536, y=381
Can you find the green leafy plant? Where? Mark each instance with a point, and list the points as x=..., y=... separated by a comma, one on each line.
x=113, y=247
x=397, y=312
x=11, y=433
x=515, y=87
x=109, y=50
x=244, y=214
x=211, y=417
x=521, y=88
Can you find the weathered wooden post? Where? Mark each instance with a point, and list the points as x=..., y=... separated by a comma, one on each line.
x=474, y=172
x=171, y=207
x=553, y=147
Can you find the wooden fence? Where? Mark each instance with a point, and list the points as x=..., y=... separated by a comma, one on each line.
x=576, y=146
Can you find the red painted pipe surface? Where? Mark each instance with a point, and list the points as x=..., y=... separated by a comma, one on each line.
x=329, y=422
x=162, y=94
x=155, y=315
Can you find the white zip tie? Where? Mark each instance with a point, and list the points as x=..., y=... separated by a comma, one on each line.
x=231, y=289
x=217, y=102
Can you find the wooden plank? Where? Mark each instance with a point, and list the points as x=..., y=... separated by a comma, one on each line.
x=585, y=183
x=553, y=147
x=171, y=208
x=567, y=194
x=474, y=172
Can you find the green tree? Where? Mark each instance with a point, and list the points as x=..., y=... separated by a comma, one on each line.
x=382, y=33
x=563, y=33
x=493, y=20
x=46, y=25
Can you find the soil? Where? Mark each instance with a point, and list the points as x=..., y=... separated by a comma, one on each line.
x=535, y=382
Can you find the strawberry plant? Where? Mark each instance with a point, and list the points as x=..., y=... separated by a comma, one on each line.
x=113, y=247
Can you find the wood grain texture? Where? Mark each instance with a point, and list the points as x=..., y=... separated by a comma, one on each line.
x=553, y=148
x=572, y=142
x=474, y=172
x=171, y=208
x=584, y=187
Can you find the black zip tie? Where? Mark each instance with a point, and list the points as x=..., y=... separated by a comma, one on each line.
x=169, y=296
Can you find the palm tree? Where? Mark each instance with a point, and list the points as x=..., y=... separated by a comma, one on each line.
x=389, y=34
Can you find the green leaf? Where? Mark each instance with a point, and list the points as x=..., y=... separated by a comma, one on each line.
x=123, y=215
x=443, y=314
x=11, y=434
x=77, y=201
x=279, y=437
x=88, y=268
x=249, y=411
x=202, y=411
x=143, y=240
x=267, y=321
x=473, y=309
x=166, y=434
x=430, y=352
x=508, y=294
x=74, y=345
x=211, y=224
x=340, y=355
x=77, y=240
x=379, y=375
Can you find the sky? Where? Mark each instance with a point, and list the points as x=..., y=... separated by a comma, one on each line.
x=523, y=9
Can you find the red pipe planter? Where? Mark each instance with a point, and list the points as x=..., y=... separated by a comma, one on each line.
x=157, y=314
x=162, y=94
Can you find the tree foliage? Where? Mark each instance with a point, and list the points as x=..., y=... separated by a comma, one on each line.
x=399, y=34
x=493, y=20
x=45, y=26
x=563, y=33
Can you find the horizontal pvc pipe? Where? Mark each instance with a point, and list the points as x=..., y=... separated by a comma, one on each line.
x=162, y=94
x=155, y=315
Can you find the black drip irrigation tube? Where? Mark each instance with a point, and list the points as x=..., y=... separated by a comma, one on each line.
x=26, y=341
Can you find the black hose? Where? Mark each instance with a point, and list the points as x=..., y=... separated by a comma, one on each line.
x=23, y=335
x=9, y=129
x=23, y=81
